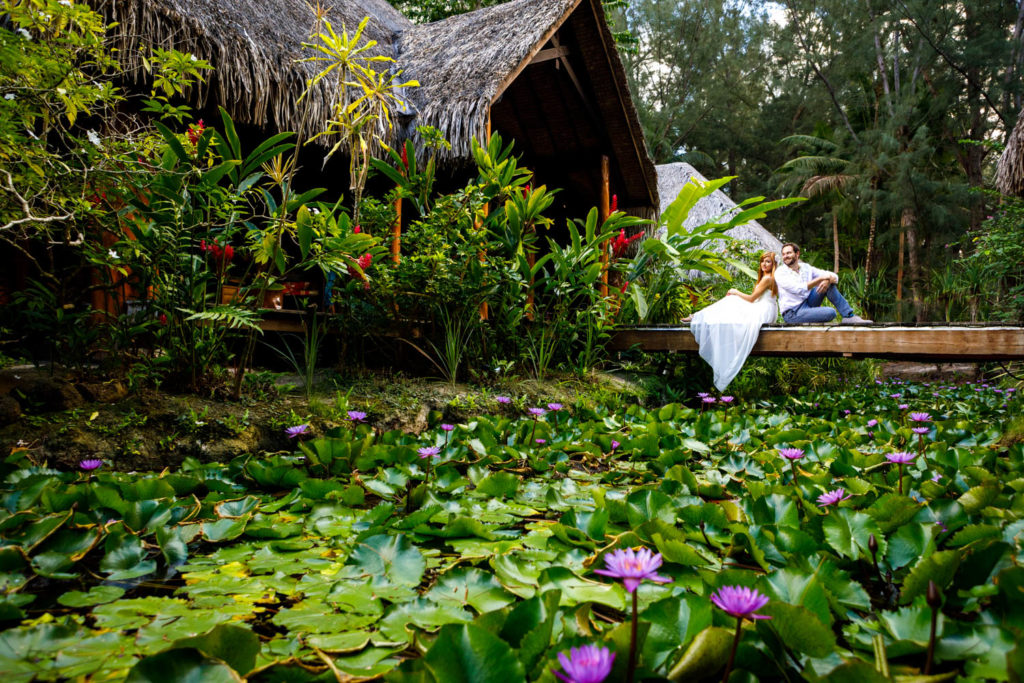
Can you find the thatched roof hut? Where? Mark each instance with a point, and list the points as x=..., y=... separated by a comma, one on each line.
x=1010, y=173
x=672, y=178
x=544, y=73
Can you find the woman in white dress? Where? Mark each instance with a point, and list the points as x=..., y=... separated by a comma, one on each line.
x=727, y=329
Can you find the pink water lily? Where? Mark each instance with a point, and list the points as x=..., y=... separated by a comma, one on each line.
x=832, y=497
x=740, y=601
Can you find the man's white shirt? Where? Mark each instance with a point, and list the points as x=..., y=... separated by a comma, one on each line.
x=793, y=284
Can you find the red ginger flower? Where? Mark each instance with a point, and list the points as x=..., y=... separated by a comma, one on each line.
x=358, y=229
x=405, y=157
x=615, y=203
x=195, y=132
x=621, y=243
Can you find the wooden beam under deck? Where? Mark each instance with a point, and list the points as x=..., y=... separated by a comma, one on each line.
x=938, y=342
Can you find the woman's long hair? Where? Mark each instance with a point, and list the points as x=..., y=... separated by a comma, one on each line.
x=760, y=273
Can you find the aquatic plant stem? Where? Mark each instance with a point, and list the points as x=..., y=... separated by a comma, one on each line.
x=631, y=666
x=900, y=465
x=735, y=646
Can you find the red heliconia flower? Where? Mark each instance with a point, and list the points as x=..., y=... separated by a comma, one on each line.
x=526, y=191
x=405, y=157
x=358, y=229
x=229, y=252
x=625, y=286
x=163, y=318
x=615, y=203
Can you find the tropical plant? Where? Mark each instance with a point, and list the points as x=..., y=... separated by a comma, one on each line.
x=659, y=273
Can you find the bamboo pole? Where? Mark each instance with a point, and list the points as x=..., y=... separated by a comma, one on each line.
x=396, y=233
x=899, y=277
x=605, y=209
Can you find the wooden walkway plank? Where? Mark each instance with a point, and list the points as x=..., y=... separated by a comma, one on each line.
x=904, y=342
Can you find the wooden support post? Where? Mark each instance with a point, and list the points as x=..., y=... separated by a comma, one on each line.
x=532, y=260
x=396, y=233
x=484, y=312
x=605, y=209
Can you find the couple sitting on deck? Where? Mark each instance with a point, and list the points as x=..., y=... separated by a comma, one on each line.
x=727, y=329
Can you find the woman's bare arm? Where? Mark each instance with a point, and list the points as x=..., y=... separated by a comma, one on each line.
x=763, y=284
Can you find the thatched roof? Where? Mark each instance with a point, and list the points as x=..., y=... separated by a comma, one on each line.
x=253, y=44
x=672, y=178
x=462, y=62
x=1010, y=174
x=465, y=66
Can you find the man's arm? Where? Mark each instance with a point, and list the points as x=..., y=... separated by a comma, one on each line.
x=817, y=273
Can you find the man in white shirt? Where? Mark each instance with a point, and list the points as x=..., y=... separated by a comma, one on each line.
x=803, y=288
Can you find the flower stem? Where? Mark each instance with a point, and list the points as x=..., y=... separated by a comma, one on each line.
x=901, y=477
x=735, y=645
x=533, y=432
x=631, y=667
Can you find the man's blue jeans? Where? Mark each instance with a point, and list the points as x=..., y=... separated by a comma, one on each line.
x=811, y=310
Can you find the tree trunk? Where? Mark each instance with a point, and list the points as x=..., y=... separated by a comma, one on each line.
x=909, y=225
x=835, y=241
x=871, y=235
x=899, y=279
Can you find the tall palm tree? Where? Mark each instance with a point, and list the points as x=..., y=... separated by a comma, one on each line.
x=821, y=176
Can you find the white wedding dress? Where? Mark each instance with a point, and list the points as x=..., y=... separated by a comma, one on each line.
x=727, y=329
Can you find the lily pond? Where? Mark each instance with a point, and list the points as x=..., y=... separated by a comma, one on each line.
x=880, y=528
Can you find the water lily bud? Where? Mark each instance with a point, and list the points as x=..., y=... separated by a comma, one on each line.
x=934, y=596
x=873, y=544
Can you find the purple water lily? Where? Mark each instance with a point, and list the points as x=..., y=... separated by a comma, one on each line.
x=447, y=427
x=900, y=459
x=633, y=566
x=540, y=442
x=502, y=399
x=921, y=430
x=709, y=399
x=791, y=453
x=903, y=406
x=920, y=417
x=554, y=407
x=615, y=444
x=537, y=412
x=296, y=431
x=727, y=399
x=740, y=601
x=586, y=664
x=356, y=415
x=832, y=497
x=90, y=464
x=428, y=451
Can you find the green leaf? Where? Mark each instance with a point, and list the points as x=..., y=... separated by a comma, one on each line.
x=674, y=622
x=979, y=497
x=182, y=666
x=938, y=567
x=499, y=484
x=235, y=645
x=469, y=654
x=386, y=560
x=800, y=629
x=706, y=655
x=97, y=595
x=473, y=587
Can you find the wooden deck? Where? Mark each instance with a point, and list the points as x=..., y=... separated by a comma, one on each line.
x=924, y=342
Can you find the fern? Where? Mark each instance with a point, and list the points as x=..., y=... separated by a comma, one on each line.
x=226, y=314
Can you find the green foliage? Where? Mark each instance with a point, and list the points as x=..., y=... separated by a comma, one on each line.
x=480, y=566
x=659, y=273
x=989, y=277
